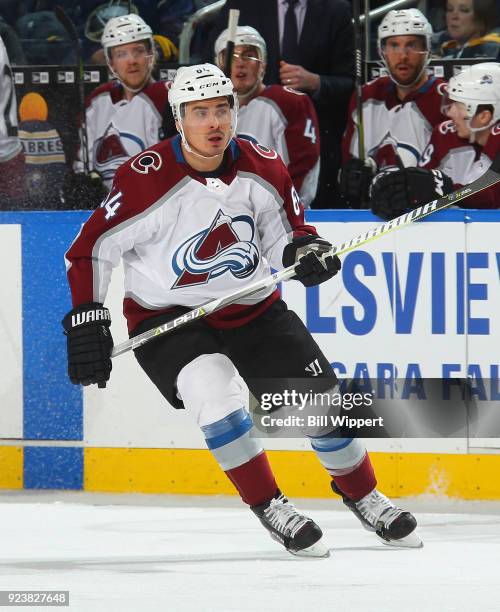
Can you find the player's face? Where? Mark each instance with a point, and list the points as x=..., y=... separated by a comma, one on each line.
x=457, y=112
x=132, y=63
x=207, y=125
x=460, y=20
x=405, y=57
x=245, y=69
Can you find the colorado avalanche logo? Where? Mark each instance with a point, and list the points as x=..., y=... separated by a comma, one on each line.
x=225, y=246
x=114, y=148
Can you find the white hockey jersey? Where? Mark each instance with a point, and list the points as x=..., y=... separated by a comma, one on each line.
x=464, y=162
x=285, y=120
x=391, y=124
x=186, y=239
x=118, y=129
x=10, y=145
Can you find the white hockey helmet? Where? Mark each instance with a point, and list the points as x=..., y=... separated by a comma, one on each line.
x=200, y=82
x=125, y=29
x=477, y=85
x=407, y=22
x=245, y=36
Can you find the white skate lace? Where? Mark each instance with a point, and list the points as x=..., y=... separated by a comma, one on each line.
x=283, y=516
x=375, y=507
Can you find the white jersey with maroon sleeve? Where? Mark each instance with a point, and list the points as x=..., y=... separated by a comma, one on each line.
x=185, y=239
x=118, y=129
x=285, y=120
x=389, y=123
x=10, y=145
x=463, y=162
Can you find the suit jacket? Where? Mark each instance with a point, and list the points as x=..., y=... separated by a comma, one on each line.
x=326, y=48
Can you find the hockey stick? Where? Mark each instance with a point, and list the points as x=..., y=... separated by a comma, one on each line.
x=232, y=24
x=70, y=28
x=358, y=79
x=491, y=177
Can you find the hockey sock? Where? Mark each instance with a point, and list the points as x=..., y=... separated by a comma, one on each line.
x=254, y=480
x=359, y=482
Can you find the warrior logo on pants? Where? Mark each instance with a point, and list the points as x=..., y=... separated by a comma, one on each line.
x=225, y=246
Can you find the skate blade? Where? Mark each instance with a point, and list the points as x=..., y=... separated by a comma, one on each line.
x=412, y=540
x=316, y=550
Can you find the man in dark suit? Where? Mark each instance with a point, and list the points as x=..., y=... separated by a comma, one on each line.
x=322, y=64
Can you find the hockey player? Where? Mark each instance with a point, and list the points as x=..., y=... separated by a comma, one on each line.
x=11, y=152
x=193, y=218
x=277, y=117
x=399, y=110
x=459, y=152
x=125, y=116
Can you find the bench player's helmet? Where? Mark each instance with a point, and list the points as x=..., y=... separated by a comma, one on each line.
x=246, y=36
x=123, y=30
x=200, y=82
x=406, y=22
x=476, y=86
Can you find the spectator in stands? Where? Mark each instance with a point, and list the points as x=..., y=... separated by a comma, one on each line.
x=12, y=43
x=44, y=154
x=277, y=117
x=473, y=28
x=11, y=151
x=119, y=122
x=44, y=39
x=310, y=48
x=399, y=110
x=460, y=150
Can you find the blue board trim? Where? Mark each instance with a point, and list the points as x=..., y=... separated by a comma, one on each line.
x=454, y=215
x=53, y=407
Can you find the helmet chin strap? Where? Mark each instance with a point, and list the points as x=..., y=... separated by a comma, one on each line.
x=189, y=149
x=473, y=131
x=247, y=96
x=416, y=80
x=133, y=90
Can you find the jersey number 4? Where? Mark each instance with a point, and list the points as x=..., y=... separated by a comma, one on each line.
x=310, y=131
x=111, y=205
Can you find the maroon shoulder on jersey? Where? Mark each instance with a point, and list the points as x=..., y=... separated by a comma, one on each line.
x=292, y=103
x=113, y=89
x=158, y=94
x=266, y=163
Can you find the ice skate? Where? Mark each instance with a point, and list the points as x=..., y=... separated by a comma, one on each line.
x=395, y=527
x=299, y=534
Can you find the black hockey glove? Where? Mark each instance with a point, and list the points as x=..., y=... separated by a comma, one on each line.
x=308, y=249
x=82, y=191
x=355, y=177
x=395, y=191
x=89, y=344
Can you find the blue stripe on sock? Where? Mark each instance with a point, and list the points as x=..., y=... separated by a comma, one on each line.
x=328, y=444
x=227, y=429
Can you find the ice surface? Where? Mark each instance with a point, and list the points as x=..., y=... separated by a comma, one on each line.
x=205, y=554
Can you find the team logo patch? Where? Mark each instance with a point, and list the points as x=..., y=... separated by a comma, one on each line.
x=149, y=160
x=225, y=247
x=487, y=79
x=264, y=151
